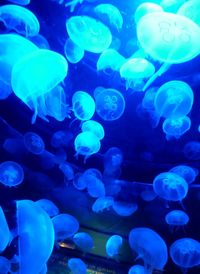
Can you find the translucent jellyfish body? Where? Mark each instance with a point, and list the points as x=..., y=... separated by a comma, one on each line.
x=11, y=173
x=187, y=172
x=83, y=241
x=32, y=87
x=172, y=5
x=67, y=171
x=4, y=231
x=110, y=104
x=109, y=13
x=148, y=195
x=35, y=242
x=77, y=266
x=113, y=245
x=89, y=34
x=40, y=41
x=102, y=203
x=170, y=186
x=34, y=143
x=5, y=265
x=95, y=127
x=190, y=9
x=174, y=100
x=149, y=246
x=146, y=8
x=185, y=253
x=192, y=150
x=73, y=52
x=19, y=19
x=124, y=209
x=135, y=70
x=138, y=269
x=113, y=158
x=21, y=2
x=83, y=105
x=177, y=218
x=95, y=186
x=48, y=206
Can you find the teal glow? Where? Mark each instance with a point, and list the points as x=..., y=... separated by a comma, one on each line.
x=83, y=105
x=146, y=8
x=190, y=9
x=95, y=127
x=172, y=5
x=11, y=173
x=73, y=52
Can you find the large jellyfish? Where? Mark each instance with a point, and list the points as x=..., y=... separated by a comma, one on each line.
x=83, y=241
x=149, y=246
x=36, y=237
x=170, y=186
x=146, y=8
x=48, y=206
x=192, y=150
x=94, y=127
x=172, y=5
x=88, y=33
x=77, y=266
x=11, y=173
x=32, y=87
x=83, y=105
x=124, y=209
x=19, y=19
x=187, y=172
x=5, y=265
x=102, y=203
x=33, y=142
x=4, y=231
x=21, y=2
x=73, y=52
x=191, y=10
x=176, y=219
x=113, y=245
x=138, y=269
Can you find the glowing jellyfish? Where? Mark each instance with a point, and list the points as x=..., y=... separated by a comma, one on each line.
x=146, y=8
x=34, y=143
x=176, y=219
x=5, y=265
x=79, y=181
x=67, y=171
x=73, y=52
x=83, y=241
x=11, y=173
x=40, y=41
x=110, y=13
x=138, y=269
x=102, y=203
x=185, y=253
x=4, y=231
x=170, y=186
x=36, y=237
x=113, y=158
x=65, y=226
x=187, y=172
x=190, y=9
x=135, y=71
x=149, y=246
x=77, y=266
x=61, y=138
x=113, y=245
x=110, y=60
x=88, y=33
x=20, y=2
x=174, y=100
x=32, y=87
x=95, y=127
x=110, y=104
x=83, y=105
x=149, y=97
x=148, y=195
x=19, y=19
x=172, y=5
x=124, y=209
x=192, y=150
x=175, y=128
x=95, y=186
x=48, y=206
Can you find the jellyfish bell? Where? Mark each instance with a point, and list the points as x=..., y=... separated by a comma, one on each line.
x=40, y=41
x=124, y=209
x=187, y=172
x=48, y=206
x=146, y=8
x=95, y=186
x=94, y=127
x=83, y=105
x=73, y=52
x=190, y=9
x=113, y=245
x=138, y=269
x=102, y=203
x=34, y=143
x=172, y=5
x=77, y=266
x=176, y=219
x=83, y=241
x=11, y=173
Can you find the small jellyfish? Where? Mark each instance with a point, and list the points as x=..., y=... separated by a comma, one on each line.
x=148, y=195
x=4, y=231
x=138, y=269
x=95, y=127
x=192, y=150
x=170, y=186
x=73, y=52
x=5, y=265
x=102, y=203
x=95, y=186
x=48, y=206
x=83, y=241
x=172, y=5
x=113, y=158
x=124, y=209
x=34, y=143
x=67, y=171
x=40, y=41
x=11, y=173
x=146, y=8
x=88, y=33
x=113, y=245
x=111, y=14
x=61, y=138
x=77, y=266
x=135, y=71
x=79, y=181
x=190, y=9
x=20, y=19
x=110, y=104
x=83, y=105
x=187, y=172
x=176, y=219
x=149, y=97
x=21, y=2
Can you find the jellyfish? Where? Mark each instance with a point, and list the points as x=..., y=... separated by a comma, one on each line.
x=170, y=186
x=113, y=158
x=83, y=241
x=138, y=269
x=77, y=266
x=95, y=186
x=146, y=8
x=110, y=104
x=83, y=105
x=32, y=87
x=95, y=127
x=19, y=19
x=79, y=181
x=88, y=33
x=73, y=52
x=176, y=219
x=190, y=9
x=149, y=97
x=21, y=2
x=48, y=206
x=93, y=172
x=175, y=128
x=4, y=231
x=135, y=71
x=187, y=172
x=174, y=100
x=148, y=195
x=65, y=226
x=149, y=246
x=172, y=5
x=34, y=143
x=11, y=173
x=44, y=269
x=192, y=150
x=111, y=14
x=35, y=237
x=124, y=209
x=102, y=203
x=113, y=245
x=67, y=171
x=40, y=41
x=5, y=265
x=168, y=38
x=185, y=253
x=61, y=138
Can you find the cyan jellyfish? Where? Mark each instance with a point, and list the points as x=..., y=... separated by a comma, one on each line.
x=174, y=100
x=146, y=8
x=113, y=245
x=32, y=87
x=124, y=209
x=191, y=150
x=148, y=195
x=88, y=33
x=34, y=143
x=95, y=127
x=175, y=128
x=170, y=186
x=35, y=237
x=48, y=206
x=149, y=246
x=83, y=105
x=61, y=138
x=102, y=203
x=111, y=14
x=187, y=172
x=95, y=186
x=67, y=171
x=135, y=71
x=172, y=5
x=149, y=97
x=77, y=266
x=73, y=52
x=11, y=173
x=185, y=253
x=83, y=241
x=5, y=265
x=176, y=219
x=5, y=235
x=19, y=19
x=190, y=9
x=65, y=226
x=138, y=269
x=20, y=2
x=110, y=104
x=40, y=41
